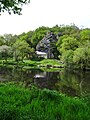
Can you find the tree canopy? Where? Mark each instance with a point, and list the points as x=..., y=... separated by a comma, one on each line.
x=14, y=6
x=72, y=45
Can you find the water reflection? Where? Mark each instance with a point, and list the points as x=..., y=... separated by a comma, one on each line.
x=72, y=83
x=46, y=79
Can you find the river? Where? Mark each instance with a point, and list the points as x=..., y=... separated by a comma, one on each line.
x=72, y=83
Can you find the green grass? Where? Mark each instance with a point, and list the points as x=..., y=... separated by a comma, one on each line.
x=44, y=62
x=20, y=103
x=52, y=62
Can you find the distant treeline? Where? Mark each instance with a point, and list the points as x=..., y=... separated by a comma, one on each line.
x=72, y=46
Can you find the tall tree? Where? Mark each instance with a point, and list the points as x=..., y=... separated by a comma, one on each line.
x=81, y=57
x=22, y=50
x=9, y=39
x=67, y=43
x=5, y=51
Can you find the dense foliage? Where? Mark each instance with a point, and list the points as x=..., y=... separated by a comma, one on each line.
x=14, y=6
x=19, y=103
x=72, y=46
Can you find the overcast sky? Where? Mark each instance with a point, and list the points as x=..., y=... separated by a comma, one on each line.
x=46, y=13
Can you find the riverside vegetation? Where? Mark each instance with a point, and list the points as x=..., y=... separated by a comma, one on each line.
x=47, y=63
x=20, y=103
x=72, y=48
x=71, y=51
x=71, y=45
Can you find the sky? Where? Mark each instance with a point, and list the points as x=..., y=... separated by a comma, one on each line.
x=46, y=13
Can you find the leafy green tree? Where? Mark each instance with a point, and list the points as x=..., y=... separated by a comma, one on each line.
x=65, y=29
x=9, y=39
x=68, y=29
x=22, y=50
x=14, y=6
x=27, y=37
x=56, y=30
x=85, y=37
x=85, y=34
x=2, y=40
x=81, y=57
x=67, y=58
x=67, y=43
x=19, y=49
x=5, y=52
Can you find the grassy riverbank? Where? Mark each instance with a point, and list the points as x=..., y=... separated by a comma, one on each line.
x=20, y=103
x=32, y=63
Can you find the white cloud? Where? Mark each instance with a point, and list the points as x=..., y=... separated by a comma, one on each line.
x=46, y=13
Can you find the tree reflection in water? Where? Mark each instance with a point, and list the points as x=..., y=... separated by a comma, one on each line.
x=46, y=79
x=74, y=83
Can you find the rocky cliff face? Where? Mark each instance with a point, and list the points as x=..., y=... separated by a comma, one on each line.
x=47, y=44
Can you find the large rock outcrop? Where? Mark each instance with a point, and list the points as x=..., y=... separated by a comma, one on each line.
x=47, y=44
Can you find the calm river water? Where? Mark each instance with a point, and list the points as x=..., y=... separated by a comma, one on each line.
x=73, y=83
